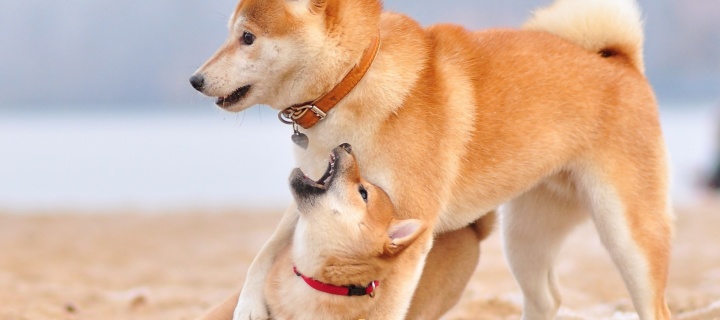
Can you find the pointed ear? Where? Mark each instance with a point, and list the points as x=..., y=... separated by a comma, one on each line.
x=314, y=6
x=402, y=233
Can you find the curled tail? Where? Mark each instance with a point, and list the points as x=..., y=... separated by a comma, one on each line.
x=608, y=27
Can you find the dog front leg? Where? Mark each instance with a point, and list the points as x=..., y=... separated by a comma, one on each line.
x=251, y=304
x=224, y=310
x=411, y=268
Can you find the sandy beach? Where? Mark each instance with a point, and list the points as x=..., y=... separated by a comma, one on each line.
x=175, y=265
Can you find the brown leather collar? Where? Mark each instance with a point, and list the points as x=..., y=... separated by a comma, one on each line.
x=309, y=113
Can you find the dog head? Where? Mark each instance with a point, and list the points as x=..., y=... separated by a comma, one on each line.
x=347, y=232
x=285, y=52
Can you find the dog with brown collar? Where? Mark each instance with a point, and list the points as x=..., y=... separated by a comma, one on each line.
x=556, y=122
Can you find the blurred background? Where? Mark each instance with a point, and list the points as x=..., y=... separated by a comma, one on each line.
x=96, y=113
x=97, y=116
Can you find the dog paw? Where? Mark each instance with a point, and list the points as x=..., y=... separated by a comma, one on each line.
x=250, y=310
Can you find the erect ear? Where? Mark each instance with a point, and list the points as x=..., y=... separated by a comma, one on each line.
x=402, y=233
x=315, y=6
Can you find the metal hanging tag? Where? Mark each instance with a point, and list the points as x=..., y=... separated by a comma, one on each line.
x=299, y=138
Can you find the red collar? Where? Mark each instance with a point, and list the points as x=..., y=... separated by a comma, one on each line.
x=349, y=291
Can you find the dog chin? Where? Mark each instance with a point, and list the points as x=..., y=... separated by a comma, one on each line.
x=236, y=107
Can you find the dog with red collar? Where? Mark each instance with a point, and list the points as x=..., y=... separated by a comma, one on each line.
x=347, y=240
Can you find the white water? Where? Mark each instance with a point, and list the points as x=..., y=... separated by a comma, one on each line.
x=169, y=161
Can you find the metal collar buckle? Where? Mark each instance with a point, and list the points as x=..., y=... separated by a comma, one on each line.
x=289, y=115
x=318, y=112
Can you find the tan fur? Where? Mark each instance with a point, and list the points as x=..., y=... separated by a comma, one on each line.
x=347, y=257
x=454, y=123
x=448, y=269
x=437, y=291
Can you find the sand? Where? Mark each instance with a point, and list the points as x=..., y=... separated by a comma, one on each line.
x=121, y=265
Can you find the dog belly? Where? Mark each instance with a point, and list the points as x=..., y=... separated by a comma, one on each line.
x=560, y=185
x=454, y=220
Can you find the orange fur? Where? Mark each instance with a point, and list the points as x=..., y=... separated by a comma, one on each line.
x=453, y=123
x=437, y=291
x=350, y=257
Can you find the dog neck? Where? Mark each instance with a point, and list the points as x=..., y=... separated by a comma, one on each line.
x=395, y=73
x=309, y=113
x=345, y=290
x=335, y=268
x=290, y=297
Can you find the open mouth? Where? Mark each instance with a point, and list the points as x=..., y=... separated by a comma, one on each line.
x=303, y=185
x=324, y=181
x=233, y=98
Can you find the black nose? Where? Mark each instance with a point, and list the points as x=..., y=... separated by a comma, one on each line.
x=197, y=81
x=347, y=147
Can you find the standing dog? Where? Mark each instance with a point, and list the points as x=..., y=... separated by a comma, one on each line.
x=556, y=121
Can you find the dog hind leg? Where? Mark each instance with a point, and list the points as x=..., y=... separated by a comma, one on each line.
x=534, y=226
x=633, y=219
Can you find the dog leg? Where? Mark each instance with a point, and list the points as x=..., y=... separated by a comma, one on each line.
x=459, y=251
x=251, y=304
x=634, y=224
x=224, y=310
x=410, y=280
x=534, y=226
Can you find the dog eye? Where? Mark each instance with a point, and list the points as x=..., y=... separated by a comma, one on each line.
x=248, y=38
x=363, y=193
